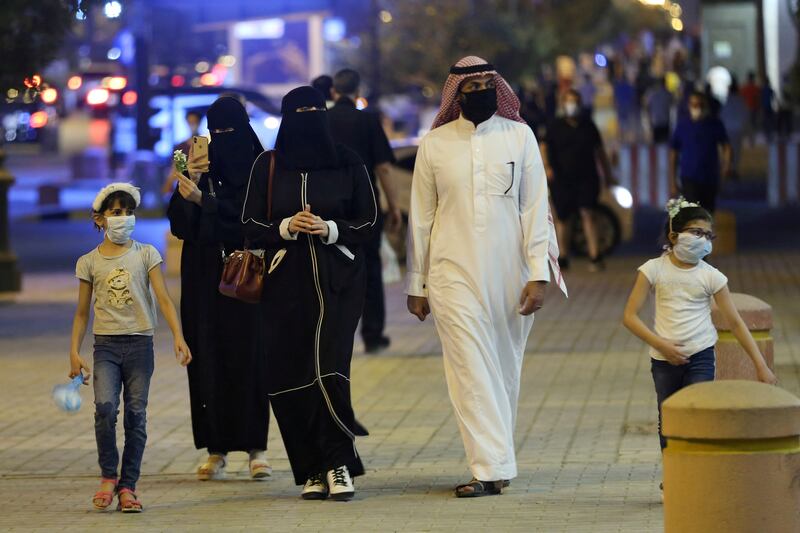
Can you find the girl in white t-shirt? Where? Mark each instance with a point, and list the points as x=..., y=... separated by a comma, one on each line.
x=682, y=345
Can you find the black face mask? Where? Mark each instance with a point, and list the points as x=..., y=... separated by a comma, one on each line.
x=479, y=106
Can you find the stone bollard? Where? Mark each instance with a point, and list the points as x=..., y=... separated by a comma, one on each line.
x=732, y=461
x=725, y=228
x=732, y=360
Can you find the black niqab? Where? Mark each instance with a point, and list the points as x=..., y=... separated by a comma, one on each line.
x=304, y=139
x=231, y=153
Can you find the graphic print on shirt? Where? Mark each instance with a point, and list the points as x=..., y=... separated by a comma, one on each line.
x=119, y=293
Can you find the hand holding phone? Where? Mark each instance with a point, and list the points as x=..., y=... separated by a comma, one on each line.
x=198, y=157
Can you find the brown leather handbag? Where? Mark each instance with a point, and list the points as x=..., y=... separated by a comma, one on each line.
x=243, y=270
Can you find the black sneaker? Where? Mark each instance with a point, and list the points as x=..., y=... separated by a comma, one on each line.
x=340, y=484
x=315, y=488
x=377, y=345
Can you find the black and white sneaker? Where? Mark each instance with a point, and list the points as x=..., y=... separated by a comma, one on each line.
x=315, y=488
x=340, y=484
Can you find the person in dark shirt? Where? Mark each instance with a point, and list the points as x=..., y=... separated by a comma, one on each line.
x=361, y=131
x=695, y=154
x=571, y=151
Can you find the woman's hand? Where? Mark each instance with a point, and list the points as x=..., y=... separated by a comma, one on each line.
x=307, y=222
x=672, y=352
x=302, y=221
x=196, y=166
x=189, y=190
x=182, y=352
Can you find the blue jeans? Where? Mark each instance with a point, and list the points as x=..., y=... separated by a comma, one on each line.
x=122, y=363
x=669, y=378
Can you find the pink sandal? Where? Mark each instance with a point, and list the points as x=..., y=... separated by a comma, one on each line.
x=130, y=506
x=105, y=496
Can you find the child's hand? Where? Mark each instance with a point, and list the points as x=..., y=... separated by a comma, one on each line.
x=182, y=352
x=765, y=375
x=672, y=352
x=76, y=365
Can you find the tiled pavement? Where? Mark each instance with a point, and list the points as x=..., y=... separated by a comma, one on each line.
x=588, y=454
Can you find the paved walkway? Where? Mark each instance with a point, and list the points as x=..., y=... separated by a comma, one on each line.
x=586, y=438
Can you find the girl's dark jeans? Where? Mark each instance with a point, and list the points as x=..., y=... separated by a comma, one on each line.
x=669, y=378
x=122, y=363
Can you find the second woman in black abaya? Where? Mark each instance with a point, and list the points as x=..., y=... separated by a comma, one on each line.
x=323, y=209
x=227, y=390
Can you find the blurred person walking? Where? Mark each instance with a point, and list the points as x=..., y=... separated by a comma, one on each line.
x=480, y=240
x=571, y=152
x=734, y=116
x=193, y=120
x=362, y=132
x=751, y=94
x=658, y=101
x=695, y=150
x=324, y=84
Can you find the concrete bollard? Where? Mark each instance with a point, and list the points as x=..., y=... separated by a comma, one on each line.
x=725, y=228
x=732, y=462
x=732, y=360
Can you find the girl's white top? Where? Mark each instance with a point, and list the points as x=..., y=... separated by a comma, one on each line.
x=683, y=303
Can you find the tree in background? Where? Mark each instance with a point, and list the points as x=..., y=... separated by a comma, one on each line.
x=418, y=40
x=31, y=34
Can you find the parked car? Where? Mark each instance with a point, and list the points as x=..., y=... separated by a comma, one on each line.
x=613, y=217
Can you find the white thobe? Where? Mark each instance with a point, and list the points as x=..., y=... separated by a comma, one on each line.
x=478, y=232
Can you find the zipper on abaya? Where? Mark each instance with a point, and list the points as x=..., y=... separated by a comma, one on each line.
x=315, y=269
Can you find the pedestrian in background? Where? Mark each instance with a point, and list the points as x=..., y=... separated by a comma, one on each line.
x=695, y=150
x=362, y=132
x=193, y=119
x=480, y=241
x=682, y=342
x=750, y=92
x=571, y=152
x=734, y=116
x=658, y=101
x=120, y=277
x=324, y=84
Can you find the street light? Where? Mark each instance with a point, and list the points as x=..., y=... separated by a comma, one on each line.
x=112, y=9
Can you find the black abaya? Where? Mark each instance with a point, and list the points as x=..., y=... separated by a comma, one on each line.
x=227, y=375
x=312, y=302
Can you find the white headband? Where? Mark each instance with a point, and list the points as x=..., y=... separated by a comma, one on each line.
x=114, y=187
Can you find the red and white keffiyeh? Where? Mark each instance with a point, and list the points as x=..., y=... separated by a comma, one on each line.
x=469, y=67
x=508, y=107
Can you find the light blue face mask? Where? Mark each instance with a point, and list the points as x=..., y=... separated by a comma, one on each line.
x=119, y=229
x=691, y=248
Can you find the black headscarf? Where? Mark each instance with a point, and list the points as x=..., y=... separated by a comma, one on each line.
x=231, y=153
x=304, y=139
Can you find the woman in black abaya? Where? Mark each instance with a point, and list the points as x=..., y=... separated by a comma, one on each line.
x=227, y=378
x=323, y=210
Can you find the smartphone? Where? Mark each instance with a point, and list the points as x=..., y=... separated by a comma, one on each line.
x=200, y=147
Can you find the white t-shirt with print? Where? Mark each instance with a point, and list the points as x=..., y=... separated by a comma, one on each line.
x=123, y=300
x=683, y=303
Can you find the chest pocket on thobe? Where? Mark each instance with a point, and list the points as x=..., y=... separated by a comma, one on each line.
x=502, y=179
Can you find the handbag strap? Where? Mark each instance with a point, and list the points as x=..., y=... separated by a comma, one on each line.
x=269, y=183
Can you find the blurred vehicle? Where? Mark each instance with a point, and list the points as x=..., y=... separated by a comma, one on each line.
x=613, y=217
x=26, y=123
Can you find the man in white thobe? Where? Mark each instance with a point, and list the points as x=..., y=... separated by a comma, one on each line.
x=480, y=241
